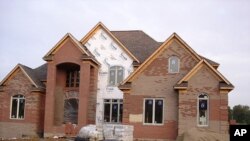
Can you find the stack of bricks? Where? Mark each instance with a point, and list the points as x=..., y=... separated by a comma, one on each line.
x=118, y=132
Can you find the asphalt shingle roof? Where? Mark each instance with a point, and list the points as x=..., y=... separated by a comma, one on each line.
x=137, y=42
x=37, y=74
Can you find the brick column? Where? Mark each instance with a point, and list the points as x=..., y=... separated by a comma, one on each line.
x=49, y=103
x=84, y=94
x=181, y=108
x=224, y=123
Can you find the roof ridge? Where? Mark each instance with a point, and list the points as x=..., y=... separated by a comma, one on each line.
x=136, y=31
x=126, y=30
x=22, y=65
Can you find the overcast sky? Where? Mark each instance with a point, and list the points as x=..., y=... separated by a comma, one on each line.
x=217, y=29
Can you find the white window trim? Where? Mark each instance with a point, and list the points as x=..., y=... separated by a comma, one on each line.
x=207, y=110
x=115, y=76
x=17, y=107
x=178, y=61
x=163, y=112
x=110, y=115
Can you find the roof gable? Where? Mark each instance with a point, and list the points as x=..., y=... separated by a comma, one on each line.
x=102, y=26
x=158, y=52
x=59, y=45
x=197, y=67
x=27, y=72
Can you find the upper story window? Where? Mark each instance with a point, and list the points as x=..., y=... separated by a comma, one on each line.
x=173, y=64
x=17, y=107
x=116, y=74
x=72, y=78
x=203, y=106
x=153, y=111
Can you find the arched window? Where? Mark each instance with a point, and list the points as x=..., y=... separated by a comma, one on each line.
x=116, y=74
x=203, y=106
x=173, y=64
x=17, y=107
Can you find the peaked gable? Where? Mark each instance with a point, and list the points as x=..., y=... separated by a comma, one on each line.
x=158, y=52
x=27, y=72
x=59, y=45
x=197, y=67
x=102, y=26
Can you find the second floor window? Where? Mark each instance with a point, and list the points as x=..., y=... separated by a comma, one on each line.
x=116, y=74
x=72, y=78
x=173, y=64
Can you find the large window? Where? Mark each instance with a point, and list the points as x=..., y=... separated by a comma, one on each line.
x=203, y=110
x=116, y=74
x=72, y=79
x=153, y=111
x=113, y=109
x=71, y=110
x=173, y=64
x=17, y=107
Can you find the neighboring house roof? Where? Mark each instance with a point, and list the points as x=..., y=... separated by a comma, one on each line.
x=34, y=75
x=137, y=42
x=223, y=84
x=102, y=26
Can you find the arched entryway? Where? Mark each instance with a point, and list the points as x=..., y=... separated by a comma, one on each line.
x=67, y=93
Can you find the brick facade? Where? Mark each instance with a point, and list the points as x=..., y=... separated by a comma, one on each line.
x=180, y=106
x=67, y=54
x=155, y=81
x=32, y=124
x=46, y=92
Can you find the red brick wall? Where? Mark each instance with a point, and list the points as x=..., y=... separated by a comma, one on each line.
x=203, y=81
x=69, y=53
x=34, y=107
x=93, y=95
x=155, y=81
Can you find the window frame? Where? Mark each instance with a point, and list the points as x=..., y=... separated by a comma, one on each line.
x=116, y=75
x=76, y=78
x=70, y=100
x=153, y=118
x=18, y=108
x=119, y=102
x=198, y=111
x=169, y=64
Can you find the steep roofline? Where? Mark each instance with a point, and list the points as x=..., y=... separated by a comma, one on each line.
x=13, y=70
x=156, y=52
x=75, y=41
x=135, y=31
x=101, y=25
